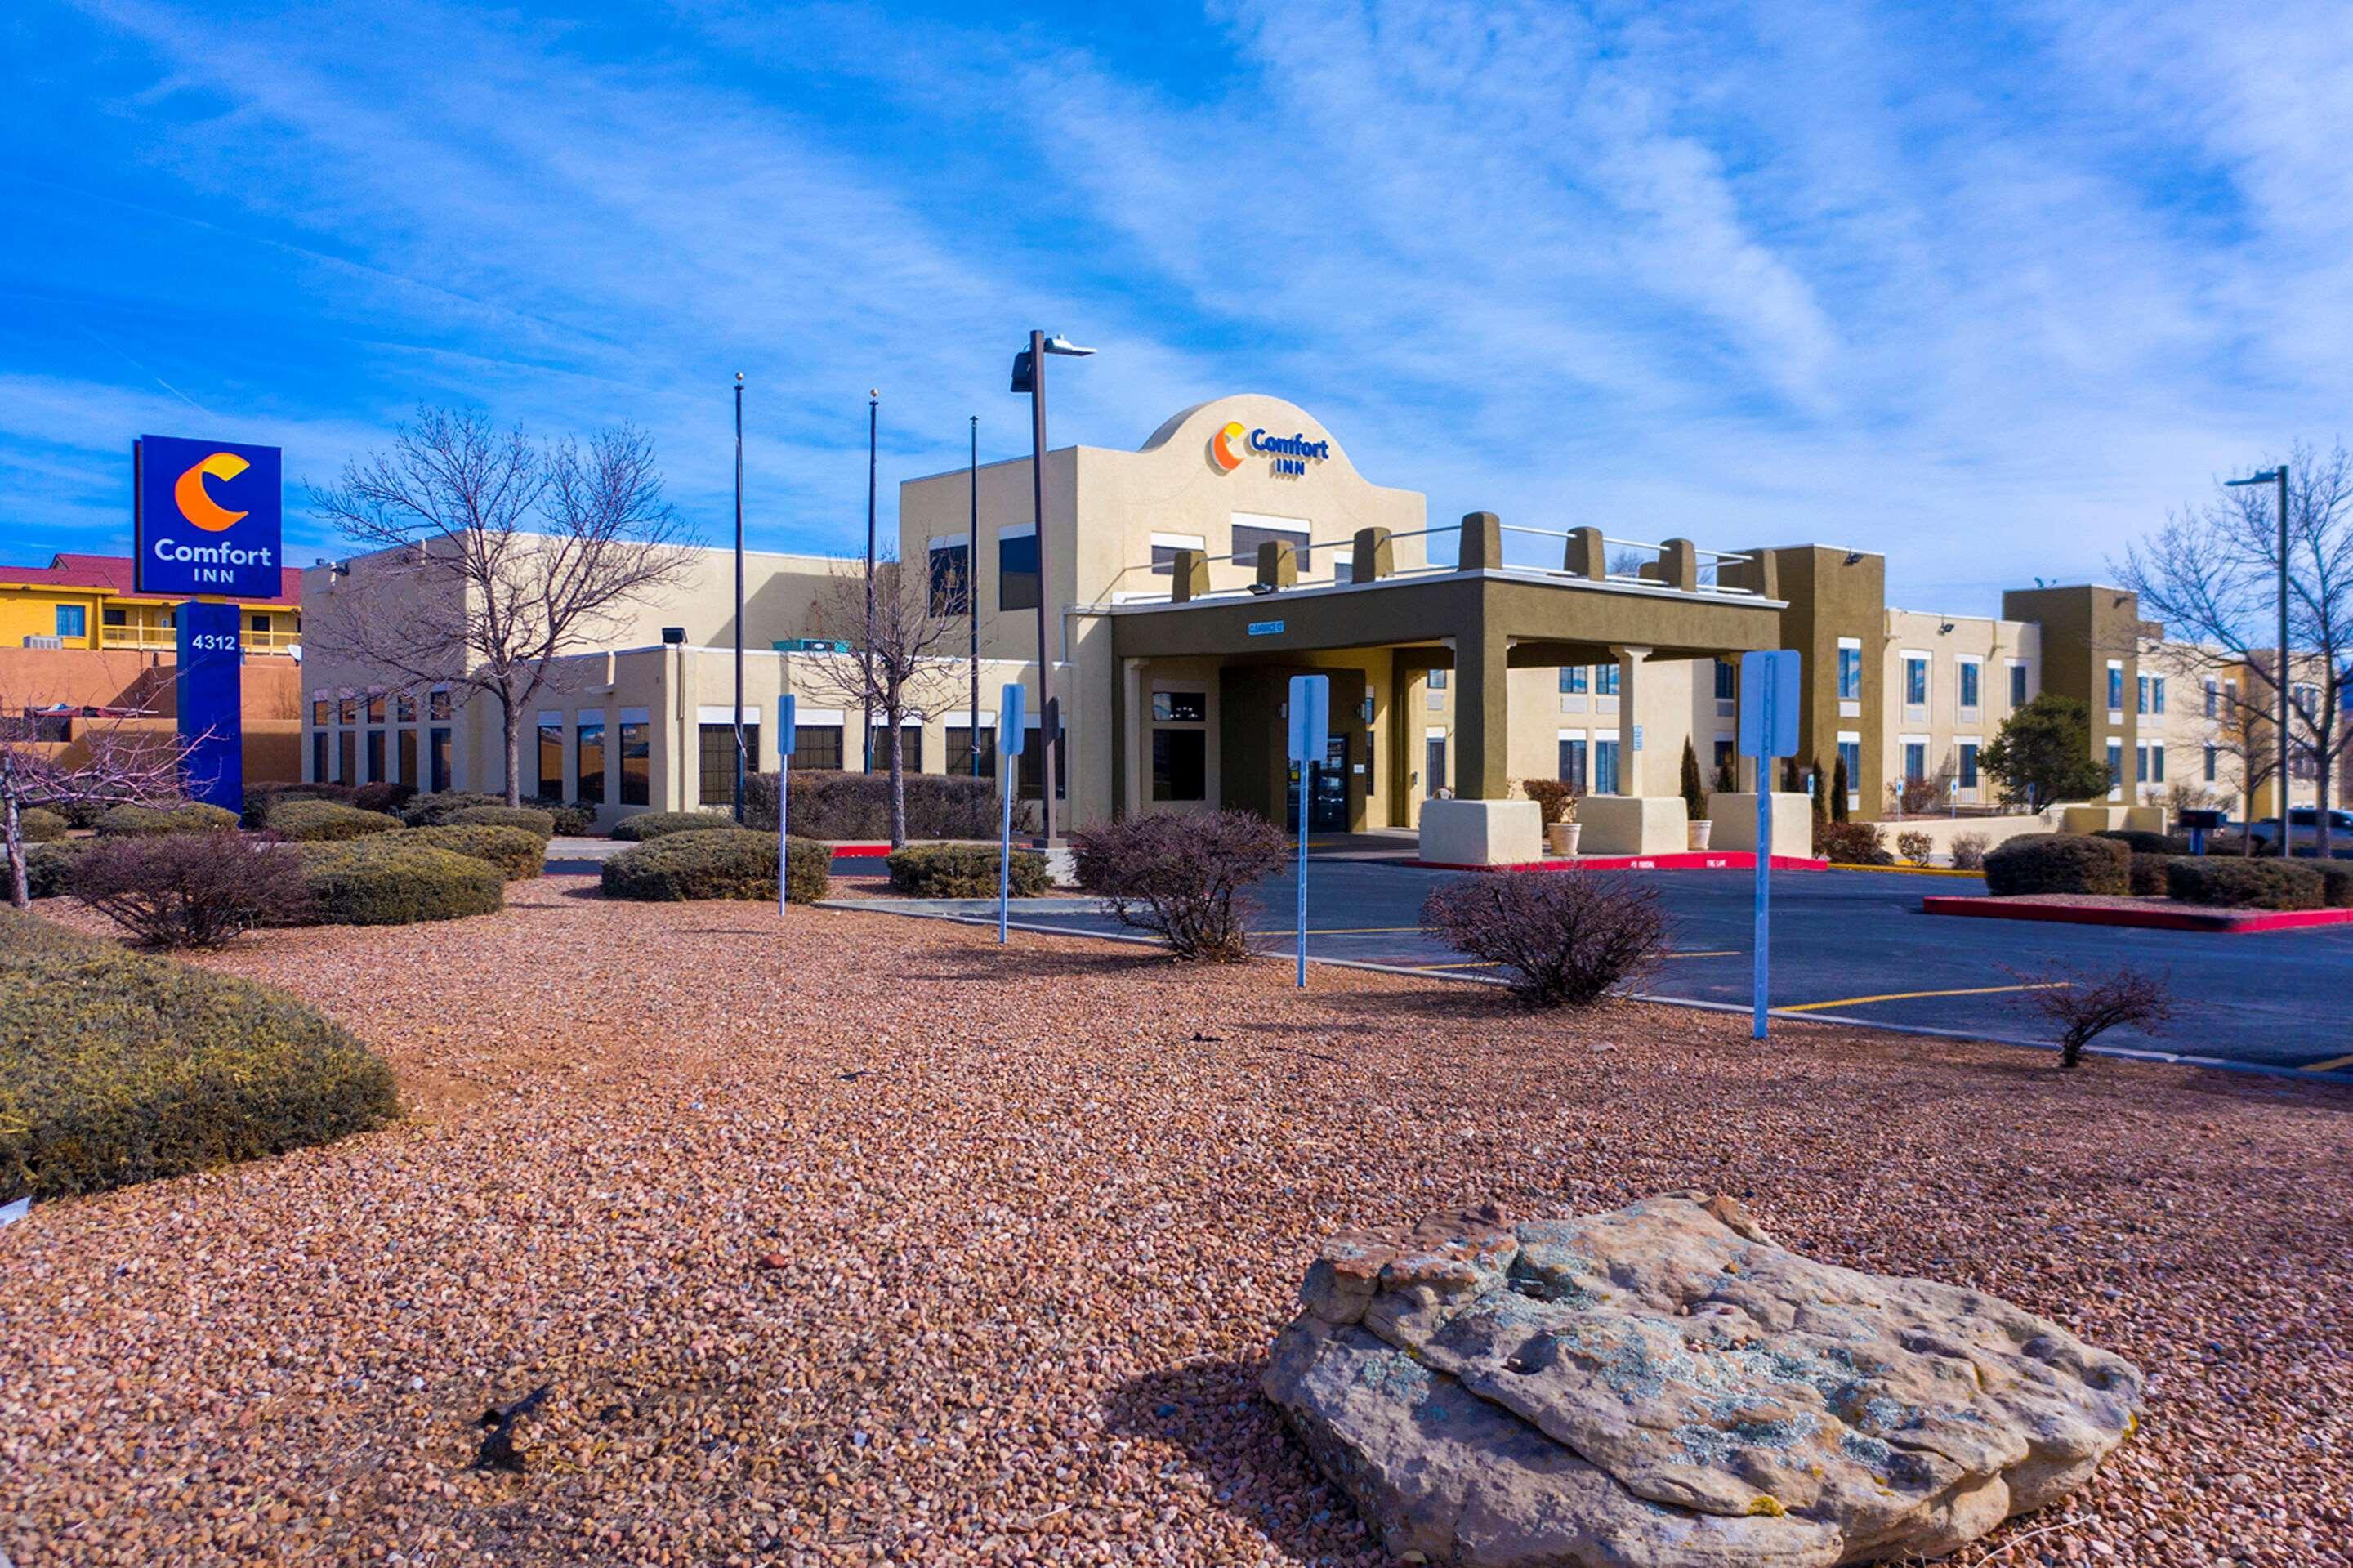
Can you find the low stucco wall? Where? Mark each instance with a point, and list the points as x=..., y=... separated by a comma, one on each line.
x=1481, y=832
x=1633, y=824
x=1735, y=817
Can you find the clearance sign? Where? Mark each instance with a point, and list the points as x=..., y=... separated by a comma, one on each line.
x=209, y=518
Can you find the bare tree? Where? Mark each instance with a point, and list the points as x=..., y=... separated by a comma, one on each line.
x=2210, y=575
x=2083, y=1007
x=117, y=767
x=904, y=671
x=503, y=555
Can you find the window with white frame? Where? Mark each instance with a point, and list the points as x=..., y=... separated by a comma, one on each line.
x=1915, y=680
x=2017, y=682
x=1972, y=676
x=1850, y=669
x=2115, y=686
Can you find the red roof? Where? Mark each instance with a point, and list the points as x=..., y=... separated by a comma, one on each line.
x=112, y=574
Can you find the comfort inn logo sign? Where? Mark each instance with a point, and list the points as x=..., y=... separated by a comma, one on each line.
x=1286, y=454
x=208, y=516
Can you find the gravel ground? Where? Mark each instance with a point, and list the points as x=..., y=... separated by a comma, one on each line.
x=834, y=1247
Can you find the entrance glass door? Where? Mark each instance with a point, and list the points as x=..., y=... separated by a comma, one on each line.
x=1328, y=792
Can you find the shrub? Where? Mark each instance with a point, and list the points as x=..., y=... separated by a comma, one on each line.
x=2084, y=1008
x=1183, y=877
x=731, y=862
x=1968, y=852
x=384, y=797
x=2058, y=863
x=117, y=1067
x=1850, y=844
x=528, y=818
x=261, y=800
x=2147, y=874
x=2141, y=841
x=2335, y=883
x=39, y=825
x=386, y=880
x=48, y=868
x=188, y=817
x=963, y=871
x=1915, y=847
x=82, y=814
x=1563, y=937
x=661, y=824
x=518, y=853
x=573, y=820
x=326, y=821
x=1556, y=801
x=833, y=805
x=2243, y=883
x=435, y=811
x=189, y=890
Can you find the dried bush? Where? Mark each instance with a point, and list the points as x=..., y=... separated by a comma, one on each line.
x=518, y=852
x=188, y=817
x=385, y=880
x=838, y=806
x=1185, y=877
x=730, y=862
x=1969, y=851
x=382, y=796
x=264, y=798
x=435, y=811
x=48, y=868
x=116, y=1068
x=964, y=871
x=2058, y=863
x=39, y=825
x=326, y=821
x=1850, y=844
x=2141, y=841
x=2245, y=884
x=2082, y=1008
x=661, y=824
x=2335, y=883
x=2147, y=874
x=189, y=890
x=1563, y=937
x=529, y=819
x=1556, y=801
x=1915, y=847
x=574, y=819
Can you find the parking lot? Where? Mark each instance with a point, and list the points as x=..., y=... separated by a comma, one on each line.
x=1852, y=946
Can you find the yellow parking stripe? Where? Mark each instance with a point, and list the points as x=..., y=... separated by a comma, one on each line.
x=1710, y=953
x=1342, y=931
x=2330, y=1065
x=1910, y=995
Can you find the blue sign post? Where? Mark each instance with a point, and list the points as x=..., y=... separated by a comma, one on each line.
x=211, y=703
x=1769, y=691
x=1311, y=743
x=786, y=738
x=1012, y=707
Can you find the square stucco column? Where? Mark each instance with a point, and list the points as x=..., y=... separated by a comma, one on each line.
x=1482, y=701
x=1629, y=713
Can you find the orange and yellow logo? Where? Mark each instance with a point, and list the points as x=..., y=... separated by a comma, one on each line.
x=198, y=507
x=1222, y=448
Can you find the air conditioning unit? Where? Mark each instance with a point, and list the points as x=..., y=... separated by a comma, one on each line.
x=45, y=642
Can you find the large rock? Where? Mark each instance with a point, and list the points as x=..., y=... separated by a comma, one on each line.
x=1665, y=1386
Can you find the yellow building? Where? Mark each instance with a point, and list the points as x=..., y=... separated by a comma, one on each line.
x=88, y=601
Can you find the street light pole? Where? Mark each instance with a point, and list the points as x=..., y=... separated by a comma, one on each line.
x=972, y=602
x=866, y=649
x=1030, y=375
x=739, y=598
x=2279, y=476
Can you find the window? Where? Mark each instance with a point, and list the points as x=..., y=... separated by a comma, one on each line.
x=2156, y=693
x=1438, y=679
x=114, y=615
x=2213, y=701
x=589, y=758
x=1016, y=569
x=2156, y=763
x=319, y=756
x=960, y=758
x=347, y=710
x=1033, y=767
x=375, y=756
x=1573, y=763
x=2115, y=687
x=1916, y=682
x=405, y=753
x=1723, y=754
x=1180, y=764
x=550, y=756
x=375, y=708
x=1433, y=760
x=2213, y=757
x=1575, y=679
x=440, y=749
x=258, y=624
x=1180, y=707
x=2116, y=766
x=1604, y=685
x=1344, y=572
x=1969, y=773
x=951, y=579
x=1915, y=761
x=1850, y=751
x=347, y=756
x=1850, y=671
x=817, y=745
x=321, y=712
x=911, y=748
x=1605, y=767
x=403, y=708
x=2140, y=764
x=73, y=620
x=1970, y=675
x=2017, y=686
x=1727, y=680
x=1249, y=536
x=717, y=747
x=2142, y=701
x=437, y=705
x=637, y=757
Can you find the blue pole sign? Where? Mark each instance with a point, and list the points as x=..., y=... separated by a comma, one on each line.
x=1012, y=707
x=787, y=715
x=206, y=518
x=1311, y=743
x=1768, y=729
x=209, y=697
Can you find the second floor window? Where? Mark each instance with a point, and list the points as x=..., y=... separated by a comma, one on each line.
x=1849, y=674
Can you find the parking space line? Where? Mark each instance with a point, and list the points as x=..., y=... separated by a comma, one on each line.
x=1707, y=953
x=2332, y=1064
x=1913, y=995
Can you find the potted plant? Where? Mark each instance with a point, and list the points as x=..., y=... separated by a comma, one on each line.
x=1694, y=798
x=1557, y=802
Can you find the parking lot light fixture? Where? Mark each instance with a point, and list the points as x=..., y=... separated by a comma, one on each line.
x=1030, y=375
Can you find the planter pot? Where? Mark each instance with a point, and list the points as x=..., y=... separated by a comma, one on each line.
x=1699, y=834
x=1561, y=838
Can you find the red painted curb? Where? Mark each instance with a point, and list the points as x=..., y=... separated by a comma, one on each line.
x=1988, y=908
x=1686, y=860
x=860, y=851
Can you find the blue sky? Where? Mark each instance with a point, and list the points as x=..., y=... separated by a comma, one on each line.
x=1988, y=289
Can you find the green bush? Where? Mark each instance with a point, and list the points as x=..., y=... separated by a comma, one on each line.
x=2243, y=883
x=833, y=805
x=963, y=871
x=2058, y=863
x=2335, y=883
x=518, y=852
x=2142, y=841
x=326, y=821
x=573, y=820
x=731, y=862
x=388, y=881
x=50, y=867
x=262, y=799
x=39, y=825
x=661, y=824
x=116, y=1068
x=2147, y=874
x=435, y=811
x=529, y=819
x=188, y=817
